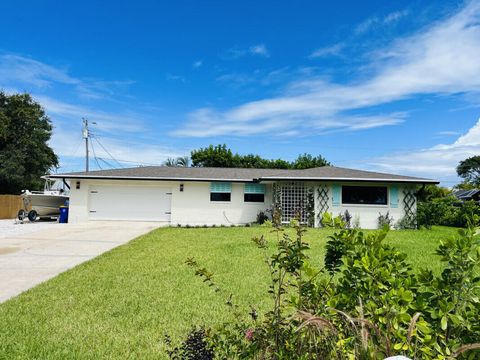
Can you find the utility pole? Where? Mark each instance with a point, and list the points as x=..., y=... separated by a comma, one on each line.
x=86, y=134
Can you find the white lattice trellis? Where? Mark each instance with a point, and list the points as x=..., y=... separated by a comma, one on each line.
x=293, y=197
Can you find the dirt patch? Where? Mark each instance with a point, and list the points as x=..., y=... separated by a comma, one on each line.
x=9, y=250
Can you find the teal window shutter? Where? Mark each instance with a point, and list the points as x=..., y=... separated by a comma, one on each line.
x=393, y=196
x=336, y=194
x=220, y=187
x=252, y=188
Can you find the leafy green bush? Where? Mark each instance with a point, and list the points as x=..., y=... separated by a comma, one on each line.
x=366, y=303
x=447, y=211
x=337, y=222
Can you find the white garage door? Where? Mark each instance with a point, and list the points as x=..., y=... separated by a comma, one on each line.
x=140, y=203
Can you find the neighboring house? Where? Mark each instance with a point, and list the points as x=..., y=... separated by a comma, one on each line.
x=465, y=195
x=225, y=196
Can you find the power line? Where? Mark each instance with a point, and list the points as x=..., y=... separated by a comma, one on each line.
x=106, y=162
x=103, y=147
x=95, y=155
x=140, y=162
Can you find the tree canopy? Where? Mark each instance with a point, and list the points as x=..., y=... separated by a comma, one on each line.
x=25, y=155
x=469, y=170
x=221, y=156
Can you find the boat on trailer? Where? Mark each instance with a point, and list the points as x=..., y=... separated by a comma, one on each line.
x=46, y=203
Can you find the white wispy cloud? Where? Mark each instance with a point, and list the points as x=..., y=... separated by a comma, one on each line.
x=259, y=77
x=380, y=21
x=126, y=152
x=439, y=160
x=332, y=50
x=24, y=72
x=175, y=77
x=117, y=128
x=197, y=64
x=260, y=50
x=238, y=52
x=431, y=62
x=448, y=133
x=120, y=133
x=20, y=69
x=107, y=121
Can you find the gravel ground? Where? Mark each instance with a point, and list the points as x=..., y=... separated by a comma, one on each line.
x=9, y=228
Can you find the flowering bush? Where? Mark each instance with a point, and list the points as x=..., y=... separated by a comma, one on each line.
x=366, y=303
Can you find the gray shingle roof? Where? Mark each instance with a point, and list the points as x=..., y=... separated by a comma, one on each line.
x=326, y=173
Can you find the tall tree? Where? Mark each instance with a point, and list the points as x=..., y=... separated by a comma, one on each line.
x=170, y=162
x=182, y=161
x=25, y=155
x=307, y=161
x=469, y=170
x=221, y=156
x=213, y=156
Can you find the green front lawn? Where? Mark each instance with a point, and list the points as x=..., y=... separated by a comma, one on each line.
x=121, y=304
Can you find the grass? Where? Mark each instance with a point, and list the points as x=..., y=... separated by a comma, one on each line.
x=121, y=304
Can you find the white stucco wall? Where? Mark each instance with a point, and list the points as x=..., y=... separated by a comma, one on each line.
x=190, y=207
x=193, y=206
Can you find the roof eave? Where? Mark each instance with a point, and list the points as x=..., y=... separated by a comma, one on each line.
x=331, y=179
x=143, y=178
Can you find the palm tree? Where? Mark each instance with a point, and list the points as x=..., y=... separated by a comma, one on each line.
x=171, y=162
x=183, y=161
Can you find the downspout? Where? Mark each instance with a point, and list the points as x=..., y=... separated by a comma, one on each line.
x=65, y=183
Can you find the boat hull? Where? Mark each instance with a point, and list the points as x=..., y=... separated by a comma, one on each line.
x=45, y=204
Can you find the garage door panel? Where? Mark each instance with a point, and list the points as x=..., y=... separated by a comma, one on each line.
x=139, y=203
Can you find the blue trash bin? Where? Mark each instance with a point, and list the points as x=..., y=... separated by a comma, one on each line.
x=63, y=215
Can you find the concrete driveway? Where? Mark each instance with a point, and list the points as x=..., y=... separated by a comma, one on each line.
x=29, y=256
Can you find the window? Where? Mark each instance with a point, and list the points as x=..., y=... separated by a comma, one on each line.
x=370, y=195
x=220, y=191
x=254, y=193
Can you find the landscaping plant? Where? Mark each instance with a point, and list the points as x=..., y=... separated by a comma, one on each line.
x=365, y=303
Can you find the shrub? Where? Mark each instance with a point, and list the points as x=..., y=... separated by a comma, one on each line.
x=406, y=223
x=194, y=347
x=347, y=219
x=268, y=224
x=366, y=303
x=333, y=222
x=385, y=220
x=447, y=211
x=261, y=217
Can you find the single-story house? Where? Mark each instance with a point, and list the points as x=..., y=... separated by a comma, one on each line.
x=226, y=196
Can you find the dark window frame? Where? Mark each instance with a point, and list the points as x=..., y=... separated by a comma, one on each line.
x=364, y=195
x=254, y=197
x=217, y=196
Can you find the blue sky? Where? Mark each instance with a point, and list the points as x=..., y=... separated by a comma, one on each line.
x=387, y=86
